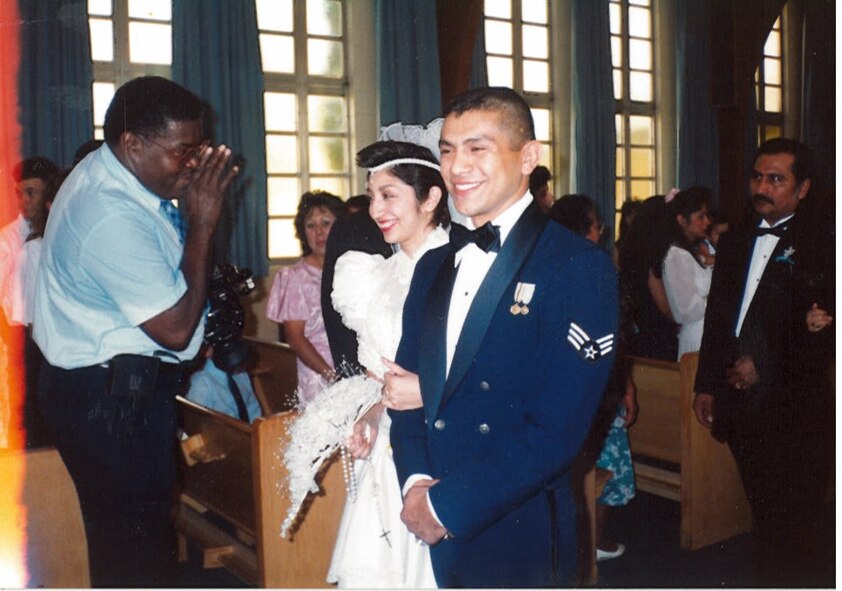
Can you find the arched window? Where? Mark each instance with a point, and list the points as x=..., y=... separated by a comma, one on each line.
x=769, y=86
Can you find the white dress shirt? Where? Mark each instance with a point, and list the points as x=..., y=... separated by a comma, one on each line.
x=763, y=248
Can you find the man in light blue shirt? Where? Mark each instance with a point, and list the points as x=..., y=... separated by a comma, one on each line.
x=119, y=305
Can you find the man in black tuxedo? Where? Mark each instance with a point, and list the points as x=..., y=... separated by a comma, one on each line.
x=354, y=232
x=763, y=384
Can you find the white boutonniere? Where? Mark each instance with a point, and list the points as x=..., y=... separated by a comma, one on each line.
x=786, y=257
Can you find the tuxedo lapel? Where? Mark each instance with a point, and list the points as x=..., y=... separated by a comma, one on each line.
x=514, y=253
x=432, y=360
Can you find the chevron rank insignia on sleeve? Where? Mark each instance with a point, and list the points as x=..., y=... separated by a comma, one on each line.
x=589, y=349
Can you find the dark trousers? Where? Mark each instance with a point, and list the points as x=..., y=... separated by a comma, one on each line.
x=784, y=478
x=35, y=432
x=120, y=452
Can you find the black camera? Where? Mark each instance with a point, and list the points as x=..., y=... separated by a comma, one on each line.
x=225, y=320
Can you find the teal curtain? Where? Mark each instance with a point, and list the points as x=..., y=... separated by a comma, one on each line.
x=408, y=64
x=216, y=55
x=818, y=99
x=594, y=137
x=479, y=69
x=697, y=139
x=55, y=78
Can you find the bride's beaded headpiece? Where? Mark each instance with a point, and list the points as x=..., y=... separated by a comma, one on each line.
x=397, y=161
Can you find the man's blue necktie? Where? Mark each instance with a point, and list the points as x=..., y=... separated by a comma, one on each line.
x=174, y=215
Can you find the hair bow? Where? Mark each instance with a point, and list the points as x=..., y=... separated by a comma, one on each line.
x=671, y=194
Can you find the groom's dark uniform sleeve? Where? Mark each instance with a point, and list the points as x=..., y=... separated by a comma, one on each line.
x=543, y=389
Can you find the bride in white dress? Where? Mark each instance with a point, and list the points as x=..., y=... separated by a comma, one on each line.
x=408, y=201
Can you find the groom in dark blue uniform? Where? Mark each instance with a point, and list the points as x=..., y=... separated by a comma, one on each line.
x=510, y=330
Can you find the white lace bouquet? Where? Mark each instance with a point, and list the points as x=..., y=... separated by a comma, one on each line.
x=322, y=427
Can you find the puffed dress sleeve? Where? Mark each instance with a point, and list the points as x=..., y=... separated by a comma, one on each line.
x=353, y=287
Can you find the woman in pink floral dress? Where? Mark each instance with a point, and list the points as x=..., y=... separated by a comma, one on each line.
x=295, y=300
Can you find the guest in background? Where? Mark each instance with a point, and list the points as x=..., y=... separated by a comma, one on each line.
x=539, y=186
x=655, y=334
x=707, y=247
x=357, y=203
x=295, y=298
x=610, y=436
x=228, y=392
x=686, y=276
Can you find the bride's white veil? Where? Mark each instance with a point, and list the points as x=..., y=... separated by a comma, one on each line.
x=423, y=135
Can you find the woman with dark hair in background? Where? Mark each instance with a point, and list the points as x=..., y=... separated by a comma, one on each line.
x=642, y=294
x=580, y=214
x=686, y=276
x=295, y=298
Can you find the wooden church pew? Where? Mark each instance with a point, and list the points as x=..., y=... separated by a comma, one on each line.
x=233, y=472
x=706, y=482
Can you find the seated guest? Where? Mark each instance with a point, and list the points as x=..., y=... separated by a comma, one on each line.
x=357, y=203
x=539, y=186
x=295, y=298
x=686, y=276
x=230, y=393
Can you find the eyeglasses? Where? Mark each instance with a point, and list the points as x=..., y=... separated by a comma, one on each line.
x=184, y=155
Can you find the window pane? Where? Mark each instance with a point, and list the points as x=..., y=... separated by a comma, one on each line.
x=616, y=18
x=639, y=22
x=618, y=84
x=772, y=98
x=498, y=37
x=327, y=154
x=620, y=193
x=619, y=129
x=281, y=154
x=158, y=10
x=534, y=11
x=99, y=7
x=150, y=43
x=616, y=52
x=280, y=111
x=283, y=195
x=324, y=58
x=99, y=134
x=277, y=53
x=772, y=71
x=541, y=118
x=642, y=189
x=535, y=43
x=642, y=130
x=326, y=113
x=620, y=162
x=498, y=8
x=500, y=71
x=102, y=93
x=642, y=162
x=337, y=186
x=640, y=86
x=536, y=76
x=324, y=17
x=640, y=54
x=546, y=157
x=773, y=44
x=102, y=40
x=772, y=132
x=639, y=2
x=274, y=15
x=282, y=241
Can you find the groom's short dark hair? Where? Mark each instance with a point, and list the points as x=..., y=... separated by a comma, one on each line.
x=507, y=102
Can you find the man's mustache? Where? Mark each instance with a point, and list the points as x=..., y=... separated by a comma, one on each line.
x=757, y=198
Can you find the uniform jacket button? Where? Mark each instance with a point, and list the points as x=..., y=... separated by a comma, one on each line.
x=484, y=428
x=484, y=386
x=439, y=425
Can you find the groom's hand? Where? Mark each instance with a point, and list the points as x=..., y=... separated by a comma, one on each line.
x=417, y=516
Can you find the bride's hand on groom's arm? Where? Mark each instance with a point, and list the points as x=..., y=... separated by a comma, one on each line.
x=401, y=388
x=364, y=435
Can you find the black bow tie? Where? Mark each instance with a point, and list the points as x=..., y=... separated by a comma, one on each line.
x=776, y=231
x=486, y=237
